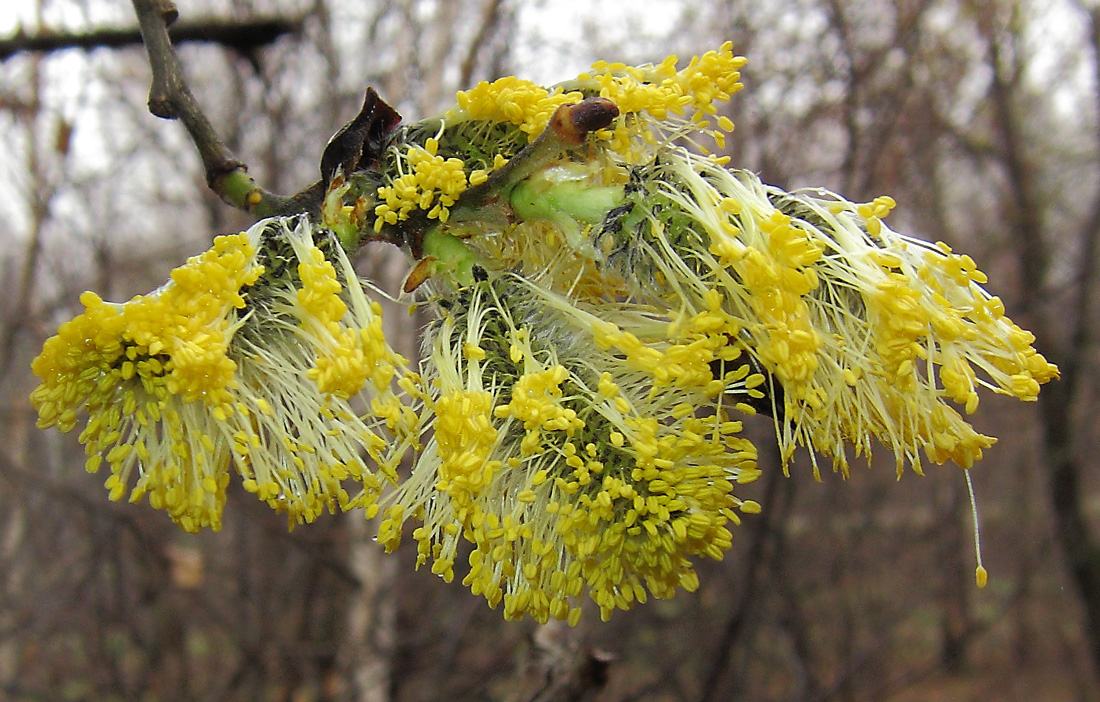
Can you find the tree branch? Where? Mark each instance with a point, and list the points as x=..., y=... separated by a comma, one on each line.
x=244, y=37
x=490, y=20
x=171, y=98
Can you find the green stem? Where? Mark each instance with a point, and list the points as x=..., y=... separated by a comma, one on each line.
x=453, y=258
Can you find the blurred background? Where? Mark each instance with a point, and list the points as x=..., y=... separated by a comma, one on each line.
x=980, y=117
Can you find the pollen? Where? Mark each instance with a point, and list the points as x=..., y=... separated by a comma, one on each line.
x=190, y=382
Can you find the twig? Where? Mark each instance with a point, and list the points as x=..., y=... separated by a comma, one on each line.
x=239, y=36
x=171, y=98
x=490, y=19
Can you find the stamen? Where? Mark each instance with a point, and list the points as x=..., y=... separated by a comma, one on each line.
x=980, y=574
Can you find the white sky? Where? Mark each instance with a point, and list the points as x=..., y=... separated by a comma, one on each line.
x=560, y=26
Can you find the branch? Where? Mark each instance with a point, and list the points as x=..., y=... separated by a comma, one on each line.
x=490, y=19
x=171, y=98
x=243, y=37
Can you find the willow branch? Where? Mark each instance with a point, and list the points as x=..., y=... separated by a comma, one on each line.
x=171, y=98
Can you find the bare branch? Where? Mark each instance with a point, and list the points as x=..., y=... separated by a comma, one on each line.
x=490, y=20
x=239, y=36
x=171, y=98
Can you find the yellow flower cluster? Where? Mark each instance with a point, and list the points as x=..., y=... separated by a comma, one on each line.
x=125, y=363
x=866, y=331
x=514, y=101
x=536, y=401
x=656, y=100
x=777, y=277
x=433, y=183
x=569, y=453
x=232, y=364
x=666, y=95
x=464, y=435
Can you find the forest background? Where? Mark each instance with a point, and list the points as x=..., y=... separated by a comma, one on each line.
x=980, y=117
